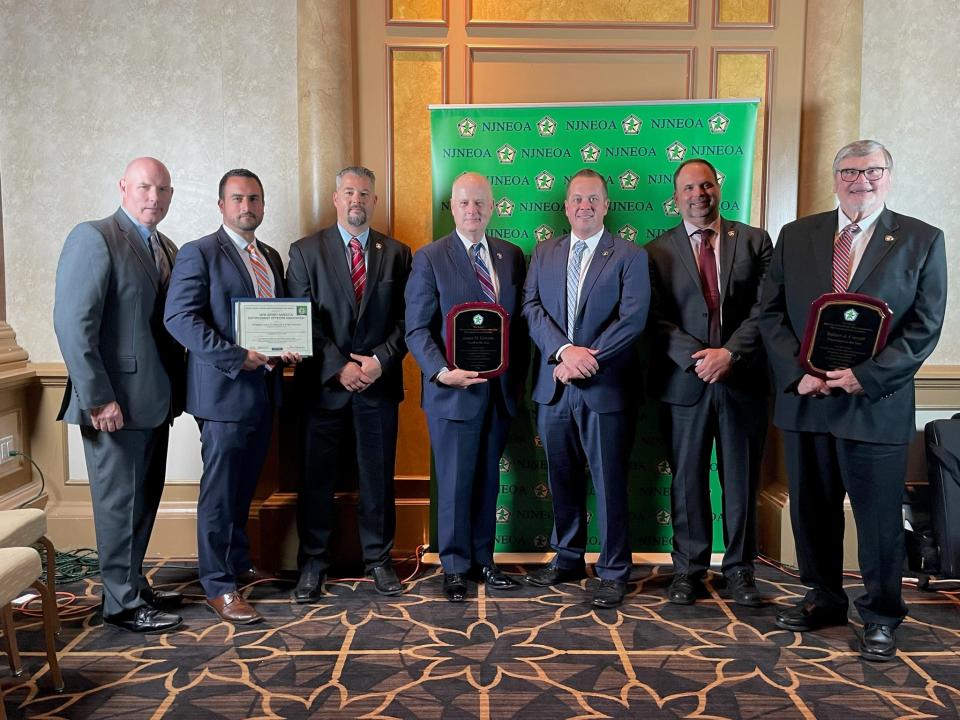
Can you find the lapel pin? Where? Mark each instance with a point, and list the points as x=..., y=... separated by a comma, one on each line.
x=731, y=233
x=888, y=238
x=499, y=256
x=379, y=246
x=605, y=253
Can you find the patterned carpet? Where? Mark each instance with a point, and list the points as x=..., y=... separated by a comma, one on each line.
x=530, y=654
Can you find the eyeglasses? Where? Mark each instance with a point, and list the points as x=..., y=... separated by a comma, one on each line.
x=851, y=174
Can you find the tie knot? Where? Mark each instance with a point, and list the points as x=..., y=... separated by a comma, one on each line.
x=705, y=235
x=852, y=229
x=476, y=248
x=355, y=244
x=252, y=248
x=579, y=247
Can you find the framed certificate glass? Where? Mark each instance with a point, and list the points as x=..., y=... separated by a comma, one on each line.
x=273, y=326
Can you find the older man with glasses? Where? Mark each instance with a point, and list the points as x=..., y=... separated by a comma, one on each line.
x=847, y=433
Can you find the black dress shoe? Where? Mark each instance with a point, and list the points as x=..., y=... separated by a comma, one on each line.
x=878, y=642
x=494, y=577
x=455, y=587
x=805, y=617
x=743, y=588
x=144, y=619
x=310, y=585
x=685, y=589
x=162, y=599
x=552, y=575
x=385, y=580
x=609, y=594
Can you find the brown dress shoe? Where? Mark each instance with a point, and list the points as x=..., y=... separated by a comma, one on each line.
x=233, y=608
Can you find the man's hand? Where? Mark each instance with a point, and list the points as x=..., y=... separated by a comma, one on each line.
x=352, y=377
x=845, y=380
x=290, y=358
x=713, y=364
x=370, y=365
x=813, y=386
x=565, y=374
x=253, y=360
x=107, y=418
x=580, y=362
x=460, y=378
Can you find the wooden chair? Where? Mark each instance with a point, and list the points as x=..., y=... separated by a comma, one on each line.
x=26, y=527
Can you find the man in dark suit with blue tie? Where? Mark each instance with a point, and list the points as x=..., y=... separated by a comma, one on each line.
x=353, y=385
x=848, y=434
x=124, y=384
x=586, y=300
x=231, y=391
x=467, y=416
x=709, y=372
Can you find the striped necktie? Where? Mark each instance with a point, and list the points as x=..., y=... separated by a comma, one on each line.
x=573, y=285
x=358, y=269
x=483, y=274
x=842, y=255
x=260, y=271
x=160, y=258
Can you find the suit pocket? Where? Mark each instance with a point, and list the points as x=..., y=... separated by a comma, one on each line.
x=122, y=364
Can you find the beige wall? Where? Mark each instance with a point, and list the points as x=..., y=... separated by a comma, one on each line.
x=910, y=103
x=204, y=85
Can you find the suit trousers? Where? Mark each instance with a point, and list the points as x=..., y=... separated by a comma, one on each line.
x=361, y=437
x=233, y=455
x=821, y=469
x=573, y=437
x=466, y=457
x=738, y=424
x=126, y=470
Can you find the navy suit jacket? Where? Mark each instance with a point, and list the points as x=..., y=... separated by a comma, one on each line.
x=207, y=276
x=611, y=315
x=442, y=277
x=905, y=265
x=318, y=270
x=680, y=317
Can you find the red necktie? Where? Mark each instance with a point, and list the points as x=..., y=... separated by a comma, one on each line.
x=358, y=269
x=842, y=254
x=708, y=283
x=260, y=271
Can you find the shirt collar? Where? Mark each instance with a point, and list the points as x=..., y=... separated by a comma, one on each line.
x=865, y=225
x=591, y=241
x=691, y=229
x=238, y=239
x=467, y=244
x=142, y=229
x=346, y=235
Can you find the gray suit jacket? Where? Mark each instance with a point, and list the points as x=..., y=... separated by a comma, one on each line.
x=679, y=311
x=108, y=317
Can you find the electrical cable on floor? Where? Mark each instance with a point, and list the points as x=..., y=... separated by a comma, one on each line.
x=43, y=481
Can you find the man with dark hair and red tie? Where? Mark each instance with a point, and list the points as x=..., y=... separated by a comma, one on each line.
x=353, y=384
x=709, y=371
x=468, y=416
x=848, y=434
x=231, y=391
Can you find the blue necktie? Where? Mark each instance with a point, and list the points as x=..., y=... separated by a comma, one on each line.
x=573, y=285
x=483, y=275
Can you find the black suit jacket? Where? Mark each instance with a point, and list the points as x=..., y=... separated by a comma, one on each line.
x=679, y=311
x=905, y=265
x=318, y=269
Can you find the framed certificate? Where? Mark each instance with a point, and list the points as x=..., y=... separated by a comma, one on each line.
x=274, y=325
x=843, y=330
x=478, y=338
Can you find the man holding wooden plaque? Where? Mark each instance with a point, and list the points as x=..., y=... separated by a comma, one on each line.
x=847, y=425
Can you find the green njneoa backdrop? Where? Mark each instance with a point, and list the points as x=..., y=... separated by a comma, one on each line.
x=528, y=152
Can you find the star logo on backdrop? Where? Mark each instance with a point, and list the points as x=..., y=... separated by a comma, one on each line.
x=589, y=517
x=670, y=207
x=467, y=128
x=628, y=180
x=543, y=232
x=663, y=517
x=506, y=154
x=718, y=124
x=720, y=178
x=504, y=207
x=663, y=467
x=676, y=151
x=503, y=515
x=547, y=126
x=628, y=233
x=544, y=181
x=540, y=542
x=590, y=153
x=540, y=490
x=631, y=125
x=505, y=465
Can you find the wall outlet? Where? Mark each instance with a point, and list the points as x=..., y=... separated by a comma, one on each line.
x=6, y=445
